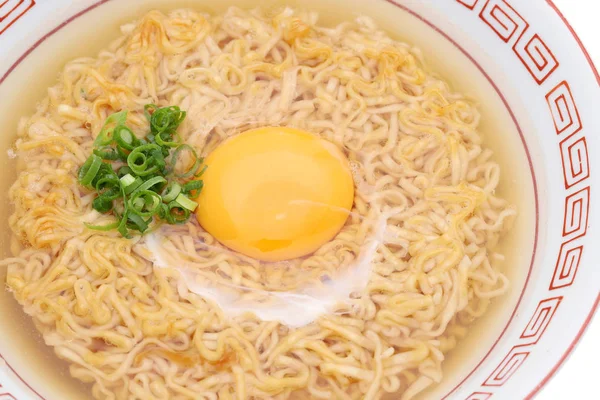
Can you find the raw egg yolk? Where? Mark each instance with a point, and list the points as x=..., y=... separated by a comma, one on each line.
x=275, y=193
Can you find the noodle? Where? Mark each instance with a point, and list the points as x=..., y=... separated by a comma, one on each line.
x=135, y=329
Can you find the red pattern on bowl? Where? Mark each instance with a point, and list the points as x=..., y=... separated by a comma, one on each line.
x=11, y=11
x=541, y=63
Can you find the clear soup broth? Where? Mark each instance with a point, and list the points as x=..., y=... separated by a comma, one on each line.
x=23, y=348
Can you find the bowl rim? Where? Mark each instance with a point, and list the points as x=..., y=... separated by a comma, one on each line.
x=550, y=3
x=561, y=362
x=534, y=180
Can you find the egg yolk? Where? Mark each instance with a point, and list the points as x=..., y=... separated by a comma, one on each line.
x=275, y=193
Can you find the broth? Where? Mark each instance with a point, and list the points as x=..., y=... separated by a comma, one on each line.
x=22, y=342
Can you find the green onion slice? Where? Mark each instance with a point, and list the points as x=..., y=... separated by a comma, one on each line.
x=193, y=188
x=124, y=137
x=122, y=228
x=139, y=161
x=137, y=222
x=195, y=165
x=89, y=169
x=123, y=153
x=171, y=192
x=137, y=182
x=157, y=180
x=159, y=160
x=145, y=203
x=106, y=181
x=177, y=214
x=107, y=153
x=108, y=227
x=185, y=202
x=124, y=170
x=105, y=136
x=167, y=140
x=127, y=180
x=165, y=119
x=102, y=204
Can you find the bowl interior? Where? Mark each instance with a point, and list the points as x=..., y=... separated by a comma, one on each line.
x=93, y=30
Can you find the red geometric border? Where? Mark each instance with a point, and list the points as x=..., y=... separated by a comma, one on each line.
x=511, y=363
x=567, y=265
x=541, y=63
x=568, y=351
x=541, y=319
x=5, y=395
x=11, y=11
x=536, y=57
x=508, y=24
x=470, y=4
x=532, y=171
x=575, y=160
x=504, y=20
x=577, y=210
x=563, y=109
x=4, y=362
x=479, y=396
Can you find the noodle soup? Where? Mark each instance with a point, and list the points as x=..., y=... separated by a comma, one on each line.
x=420, y=151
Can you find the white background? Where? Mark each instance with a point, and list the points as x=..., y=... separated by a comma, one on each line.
x=579, y=378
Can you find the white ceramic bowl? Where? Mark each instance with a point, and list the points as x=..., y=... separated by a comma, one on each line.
x=540, y=94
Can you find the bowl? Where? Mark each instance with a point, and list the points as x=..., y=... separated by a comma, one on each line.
x=539, y=92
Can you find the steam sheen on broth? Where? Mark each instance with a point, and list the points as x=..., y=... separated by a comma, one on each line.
x=135, y=329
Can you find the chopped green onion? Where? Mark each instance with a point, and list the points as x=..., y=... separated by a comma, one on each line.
x=168, y=142
x=177, y=214
x=102, y=204
x=107, y=181
x=113, y=193
x=133, y=186
x=163, y=211
x=145, y=203
x=124, y=170
x=122, y=228
x=166, y=119
x=129, y=183
x=138, y=222
x=108, y=227
x=127, y=180
x=157, y=180
x=106, y=133
x=139, y=162
x=159, y=159
x=107, y=153
x=145, y=190
x=171, y=192
x=193, y=188
x=196, y=163
x=185, y=202
x=124, y=137
x=103, y=177
x=149, y=110
x=89, y=169
x=122, y=153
